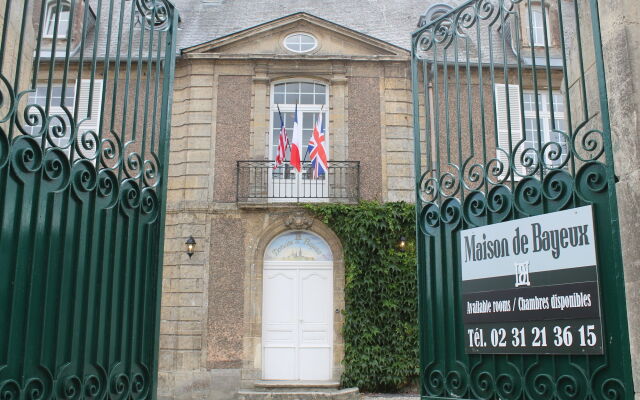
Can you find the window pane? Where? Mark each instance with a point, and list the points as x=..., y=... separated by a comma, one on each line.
x=306, y=39
x=558, y=103
x=306, y=87
x=529, y=104
x=279, y=88
x=276, y=120
x=293, y=87
x=306, y=99
x=306, y=46
x=320, y=99
x=278, y=98
x=307, y=121
x=319, y=88
x=292, y=99
x=530, y=129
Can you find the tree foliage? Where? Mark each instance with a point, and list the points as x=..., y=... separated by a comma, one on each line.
x=380, y=328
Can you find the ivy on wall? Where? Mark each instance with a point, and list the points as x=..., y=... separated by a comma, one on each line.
x=380, y=327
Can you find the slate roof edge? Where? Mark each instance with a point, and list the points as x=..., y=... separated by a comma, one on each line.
x=297, y=57
x=301, y=13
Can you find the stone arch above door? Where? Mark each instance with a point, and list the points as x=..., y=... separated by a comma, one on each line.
x=252, y=342
x=298, y=245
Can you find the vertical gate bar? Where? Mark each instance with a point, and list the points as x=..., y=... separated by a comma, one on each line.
x=65, y=70
x=567, y=98
x=125, y=106
x=480, y=69
x=467, y=161
x=445, y=83
x=583, y=85
x=16, y=81
x=94, y=67
x=36, y=63
x=436, y=113
x=105, y=80
x=155, y=91
x=52, y=63
x=510, y=171
x=139, y=67
x=145, y=119
x=545, y=28
x=116, y=78
x=458, y=111
x=428, y=121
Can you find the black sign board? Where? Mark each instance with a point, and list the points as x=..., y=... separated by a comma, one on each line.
x=530, y=286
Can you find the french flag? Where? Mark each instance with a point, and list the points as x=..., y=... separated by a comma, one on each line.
x=296, y=142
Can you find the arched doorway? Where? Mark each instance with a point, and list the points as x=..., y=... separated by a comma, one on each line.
x=297, y=320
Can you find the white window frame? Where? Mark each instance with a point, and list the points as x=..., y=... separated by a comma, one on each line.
x=315, y=42
x=54, y=109
x=304, y=108
x=271, y=149
x=50, y=19
x=518, y=121
x=80, y=100
x=544, y=113
x=537, y=25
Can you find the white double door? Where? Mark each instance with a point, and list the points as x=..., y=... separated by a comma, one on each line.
x=297, y=321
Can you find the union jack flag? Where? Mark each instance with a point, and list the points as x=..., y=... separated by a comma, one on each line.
x=283, y=143
x=317, y=151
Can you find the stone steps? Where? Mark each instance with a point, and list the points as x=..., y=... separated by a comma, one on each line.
x=294, y=390
x=296, y=385
x=326, y=394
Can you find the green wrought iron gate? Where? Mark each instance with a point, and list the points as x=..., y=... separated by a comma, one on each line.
x=511, y=120
x=85, y=102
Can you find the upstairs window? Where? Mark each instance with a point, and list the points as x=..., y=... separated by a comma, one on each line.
x=59, y=10
x=300, y=42
x=541, y=125
x=310, y=99
x=537, y=21
x=62, y=102
x=544, y=125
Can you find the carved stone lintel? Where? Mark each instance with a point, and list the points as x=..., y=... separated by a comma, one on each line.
x=298, y=220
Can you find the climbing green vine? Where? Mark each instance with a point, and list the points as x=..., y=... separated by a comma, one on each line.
x=380, y=327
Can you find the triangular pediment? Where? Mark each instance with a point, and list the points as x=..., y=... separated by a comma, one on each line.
x=268, y=39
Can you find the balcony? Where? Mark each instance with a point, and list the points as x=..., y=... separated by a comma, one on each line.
x=259, y=183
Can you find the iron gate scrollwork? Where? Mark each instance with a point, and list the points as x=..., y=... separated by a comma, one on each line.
x=510, y=121
x=85, y=102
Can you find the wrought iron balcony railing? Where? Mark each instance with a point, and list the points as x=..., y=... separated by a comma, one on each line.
x=259, y=182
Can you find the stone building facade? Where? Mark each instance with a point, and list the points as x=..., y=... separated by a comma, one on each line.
x=211, y=335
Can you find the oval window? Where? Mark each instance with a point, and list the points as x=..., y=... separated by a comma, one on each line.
x=300, y=42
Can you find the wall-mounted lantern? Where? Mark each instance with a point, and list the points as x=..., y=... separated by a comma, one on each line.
x=403, y=243
x=191, y=245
